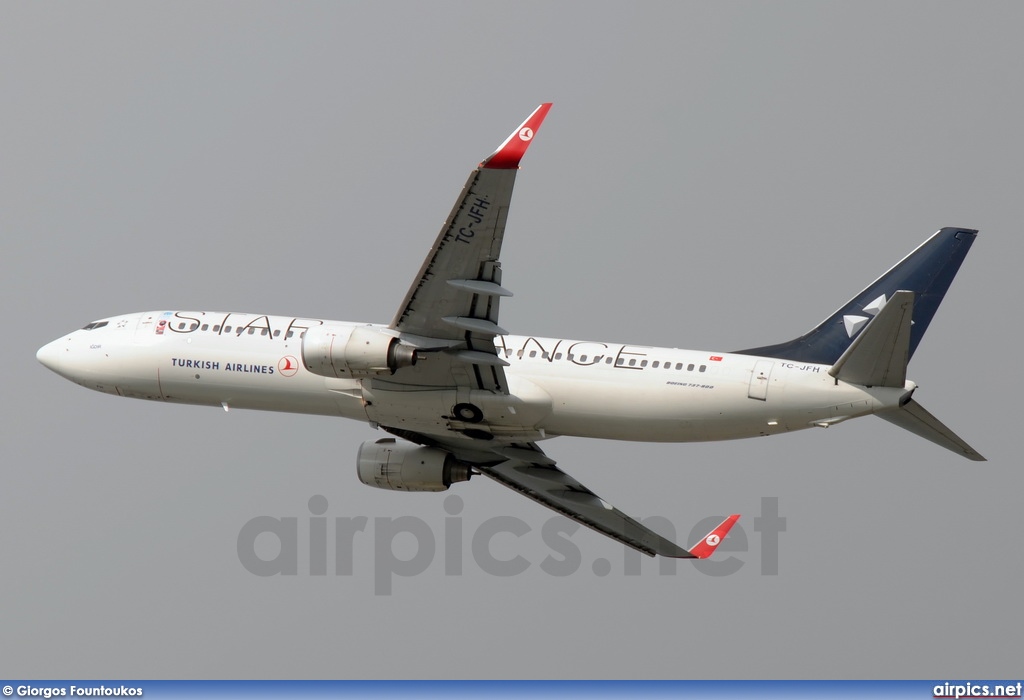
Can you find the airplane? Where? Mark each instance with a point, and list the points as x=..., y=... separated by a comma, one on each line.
x=460, y=396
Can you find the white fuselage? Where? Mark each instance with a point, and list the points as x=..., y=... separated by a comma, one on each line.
x=556, y=387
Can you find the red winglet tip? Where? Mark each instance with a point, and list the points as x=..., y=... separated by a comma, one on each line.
x=511, y=151
x=707, y=546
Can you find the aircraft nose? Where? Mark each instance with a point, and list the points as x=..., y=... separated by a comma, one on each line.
x=54, y=356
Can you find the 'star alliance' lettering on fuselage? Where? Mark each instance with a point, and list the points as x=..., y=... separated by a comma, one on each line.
x=236, y=324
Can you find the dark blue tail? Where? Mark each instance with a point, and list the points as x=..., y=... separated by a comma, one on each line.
x=927, y=272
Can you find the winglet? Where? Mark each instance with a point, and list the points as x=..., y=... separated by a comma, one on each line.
x=707, y=546
x=511, y=151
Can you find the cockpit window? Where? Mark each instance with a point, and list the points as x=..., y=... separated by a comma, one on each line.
x=94, y=325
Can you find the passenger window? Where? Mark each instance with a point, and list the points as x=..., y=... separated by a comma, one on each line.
x=583, y=358
x=216, y=329
x=679, y=365
x=643, y=363
x=227, y=329
x=558, y=356
x=181, y=326
x=654, y=365
x=702, y=368
x=533, y=353
x=264, y=332
x=206, y=326
x=277, y=333
x=193, y=326
x=632, y=362
x=290, y=334
x=252, y=330
x=689, y=368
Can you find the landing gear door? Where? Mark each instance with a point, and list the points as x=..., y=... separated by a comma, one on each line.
x=759, y=380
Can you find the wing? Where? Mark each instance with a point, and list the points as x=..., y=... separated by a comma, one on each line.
x=463, y=263
x=455, y=296
x=532, y=473
x=450, y=314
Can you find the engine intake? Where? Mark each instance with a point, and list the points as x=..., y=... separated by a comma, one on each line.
x=402, y=466
x=354, y=352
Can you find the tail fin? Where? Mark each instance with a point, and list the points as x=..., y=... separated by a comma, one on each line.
x=927, y=272
x=878, y=357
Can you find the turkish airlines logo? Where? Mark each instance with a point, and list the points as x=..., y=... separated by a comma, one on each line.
x=288, y=366
x=712, y=540
x=525, y=134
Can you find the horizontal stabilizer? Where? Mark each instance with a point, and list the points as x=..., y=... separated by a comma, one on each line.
x=913, y=417
x=879, y=355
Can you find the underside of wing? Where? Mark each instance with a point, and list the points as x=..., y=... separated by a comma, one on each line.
x=534, y=474
x=452, y=394
x=454, y=298
x=459, y=284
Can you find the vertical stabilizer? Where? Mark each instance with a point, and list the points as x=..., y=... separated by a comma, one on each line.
x=927, y=272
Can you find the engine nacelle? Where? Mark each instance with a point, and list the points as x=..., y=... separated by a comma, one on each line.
x=353, y=352
x=403, y=466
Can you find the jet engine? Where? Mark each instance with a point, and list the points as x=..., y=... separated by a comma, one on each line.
x=354, y=352
x=403, y=466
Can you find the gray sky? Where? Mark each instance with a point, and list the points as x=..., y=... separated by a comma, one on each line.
x=711, y=176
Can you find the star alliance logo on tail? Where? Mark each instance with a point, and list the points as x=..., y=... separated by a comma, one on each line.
x=853, y=323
